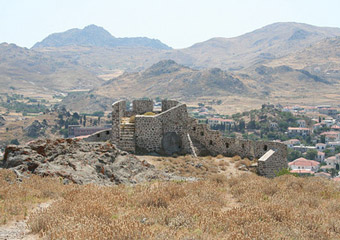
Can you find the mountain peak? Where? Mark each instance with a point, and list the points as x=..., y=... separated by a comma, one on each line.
x=163, y=67
x=93, y=35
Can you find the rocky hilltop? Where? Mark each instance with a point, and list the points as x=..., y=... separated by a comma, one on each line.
x=93, y=35
x=78, y=162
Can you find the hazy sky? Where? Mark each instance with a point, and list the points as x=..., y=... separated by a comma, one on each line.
x=178, y=23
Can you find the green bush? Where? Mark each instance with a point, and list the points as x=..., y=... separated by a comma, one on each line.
x=285, y=171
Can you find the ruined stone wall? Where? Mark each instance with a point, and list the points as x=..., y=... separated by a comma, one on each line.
x=167, y=104
x=174, y=120
x=217, y=144
x=100, y=136
x=151, y=129
x=142, y=106
x=148, y=134
x=271, y=163
x=118, y=111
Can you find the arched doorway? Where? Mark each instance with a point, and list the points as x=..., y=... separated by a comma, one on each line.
x=171, y=143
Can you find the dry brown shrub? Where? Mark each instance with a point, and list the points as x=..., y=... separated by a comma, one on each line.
x=149, y=114
x=18, y=198
x=243, y=207
x=235, y=158
x=223, y=163
x=132, y=119
x=218, y=178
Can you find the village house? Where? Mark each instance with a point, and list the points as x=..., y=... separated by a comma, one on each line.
x=337, y=117
x=303, y=148
x=335, y=128
x=323, y=175
x=298, y=131
x=274, y=125
x=317, y=126
x=333, y=145
x=292, y=142
x=331, y=136
x=334, y=161
x=320, y=156
x=320, y=147
x=78, y=130
x=328, y=122
x=302, y=165
x=301, y=123
x=221, y=122
x=328, y=111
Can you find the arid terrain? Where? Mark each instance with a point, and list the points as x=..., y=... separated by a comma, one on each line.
x=279, y=63
x=220, y=204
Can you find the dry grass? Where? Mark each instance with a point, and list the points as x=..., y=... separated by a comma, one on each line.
x=284, y=208
x=243, y=207
x=16, y=199
x=189, y=166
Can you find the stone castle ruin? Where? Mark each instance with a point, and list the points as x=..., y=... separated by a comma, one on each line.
x=172, y=131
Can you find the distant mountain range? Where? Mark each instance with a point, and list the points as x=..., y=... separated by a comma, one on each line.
x=95, y=36
x=278, y=61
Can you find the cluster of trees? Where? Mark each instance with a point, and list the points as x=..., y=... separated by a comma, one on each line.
x=65, y=119
x=24, y=107
x=260, y=120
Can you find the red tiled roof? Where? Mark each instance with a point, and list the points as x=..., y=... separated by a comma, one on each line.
x=297, y=128
x=327, y=167
x=301, y=171
x=303, y=162
x=337, y=179
x=321, y=153
x=330, y=133
x=320, y=144
x=323, y=174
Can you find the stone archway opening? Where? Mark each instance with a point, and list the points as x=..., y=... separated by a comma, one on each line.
x=171, y=143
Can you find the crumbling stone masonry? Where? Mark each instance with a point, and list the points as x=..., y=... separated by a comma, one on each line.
x=172, y=131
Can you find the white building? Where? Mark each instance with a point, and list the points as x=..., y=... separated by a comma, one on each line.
x=304, y=164
x=301, y=123
x=320, y=147
x=298, y=131
x=320, y=156
x=332, y=136
x=334, y=161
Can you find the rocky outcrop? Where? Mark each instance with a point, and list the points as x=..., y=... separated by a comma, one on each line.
x=78, y=161
x=2, y=121
x=36, y=129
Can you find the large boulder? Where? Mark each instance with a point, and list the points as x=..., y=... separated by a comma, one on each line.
x=78, y=162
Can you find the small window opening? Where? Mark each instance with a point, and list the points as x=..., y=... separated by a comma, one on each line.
x=242, y=145
x=194, y=128
x=227, y=145
x=202, y=133
x=98, y=135
x=210, y=142
x=107, y=132
x=265, y=147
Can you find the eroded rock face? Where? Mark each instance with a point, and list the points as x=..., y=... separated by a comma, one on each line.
x=2, y=121
x=78, y=162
